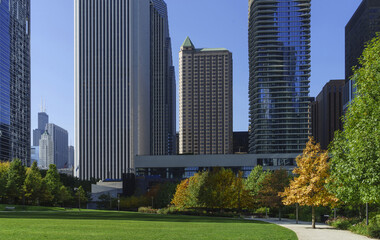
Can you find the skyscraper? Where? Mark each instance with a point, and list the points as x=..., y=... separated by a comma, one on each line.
x=60, y=145
x=279, y=65
x=43, y=120
x=46, y=150
x=162, y=83
x=326, y=112
x=362, y=27
x=205, y=100
x=112, y=86
x=71, y=157
x=15, y=80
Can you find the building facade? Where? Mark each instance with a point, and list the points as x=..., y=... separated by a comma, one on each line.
x=362, y=27
x=15, y=80
x=112, y=86
x=279, y=72
x=43, y=120
x=205, y=100
x=46, y=151
x=240, y=142
x=60, y=138
x=71, y=157
x=35, y=155
x=326, y=112
x=162, y=83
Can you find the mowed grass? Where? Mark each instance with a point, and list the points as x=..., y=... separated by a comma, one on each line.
x=126, y=225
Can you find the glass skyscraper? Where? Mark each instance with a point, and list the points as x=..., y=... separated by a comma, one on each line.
x=279, y=65
x=15, y=80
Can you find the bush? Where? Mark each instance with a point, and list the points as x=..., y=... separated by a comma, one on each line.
x=168, y=210
x=147, y=210
x=374, y=227
x=133, y=202
x=342, y=223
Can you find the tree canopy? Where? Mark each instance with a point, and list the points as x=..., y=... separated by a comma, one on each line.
x=355, y=152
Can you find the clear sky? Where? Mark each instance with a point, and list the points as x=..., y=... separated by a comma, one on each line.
x=209, y=23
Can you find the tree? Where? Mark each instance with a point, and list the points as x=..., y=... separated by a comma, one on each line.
x=355, y=161
x=165, y=194
x=308, y=187
x=53, y=183
x=64, y=195
x=4, y=168
x=272, y=185
x=254, y=181
x=15, y=181
x=33, y=184
x=181, y=196
x=81, y=196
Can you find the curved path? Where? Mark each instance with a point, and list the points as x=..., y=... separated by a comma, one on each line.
x=322, y=231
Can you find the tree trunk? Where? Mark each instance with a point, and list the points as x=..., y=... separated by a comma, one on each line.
x=279, y=213
x=296, y=213
x=313, y=216
x=366, y=214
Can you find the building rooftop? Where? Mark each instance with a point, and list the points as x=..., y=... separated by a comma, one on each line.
x=187, y=43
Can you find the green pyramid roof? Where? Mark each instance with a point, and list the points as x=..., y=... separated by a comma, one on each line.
x=187, y=43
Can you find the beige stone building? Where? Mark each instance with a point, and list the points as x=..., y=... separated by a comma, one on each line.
x=205, y=100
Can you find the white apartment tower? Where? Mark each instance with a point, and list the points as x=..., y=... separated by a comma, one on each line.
x=112, y=86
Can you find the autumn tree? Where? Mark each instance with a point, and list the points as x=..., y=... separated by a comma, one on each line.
x=272, y=185
x=181, y=195
x=355, y=161
x=33, y=184
x=15, y=181
x=311, y=175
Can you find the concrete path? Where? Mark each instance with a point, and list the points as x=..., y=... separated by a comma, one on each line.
x=304, y=230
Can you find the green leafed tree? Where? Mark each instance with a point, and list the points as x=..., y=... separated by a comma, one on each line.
x=254, y=181
x=33, y=185
x=355, y=162
x=81, y=197
x=15, y=181
x=53, y=184
x=4, y=167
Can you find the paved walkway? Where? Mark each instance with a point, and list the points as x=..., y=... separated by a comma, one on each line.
x=322, y=231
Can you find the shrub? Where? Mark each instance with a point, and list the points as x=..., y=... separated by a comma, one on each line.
x=374, y=227
x=342, y=223
x=147, y=210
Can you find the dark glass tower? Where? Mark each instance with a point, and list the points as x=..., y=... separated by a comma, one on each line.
x=279, y=65
x=162, y=82
x=15, y=80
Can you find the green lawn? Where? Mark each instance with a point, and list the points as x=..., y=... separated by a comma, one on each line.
x=104, y=225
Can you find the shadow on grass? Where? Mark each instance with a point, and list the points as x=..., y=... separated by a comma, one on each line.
x=126, y=216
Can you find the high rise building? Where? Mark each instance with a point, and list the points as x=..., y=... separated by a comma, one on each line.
x=71, y=157
x=43, y=120
x=112, y=86
x=205, y=100
x=279, y=67
x=15, y=80
x=46, y=150
x=60, y=145
x=326, y=112
x=361, y=28
x=162, y=83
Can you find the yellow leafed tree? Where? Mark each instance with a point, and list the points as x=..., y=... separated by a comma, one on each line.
x=308, y=187
x=181, y=195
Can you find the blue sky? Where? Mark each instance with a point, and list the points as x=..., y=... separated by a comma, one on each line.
x=209, y=23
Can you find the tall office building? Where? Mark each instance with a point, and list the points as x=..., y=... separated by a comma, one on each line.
x=43, y=120
x=361, y=28
x=279, y=67
x=15, y=80
x=162, y=83
x=205, y=100
x=326, y=112
x=60, y=145
x=46, y=151
x=112, y=86
x=71, y=157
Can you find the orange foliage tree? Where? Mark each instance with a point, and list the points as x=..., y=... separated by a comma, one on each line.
x=308, y=187
x=181, y=196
